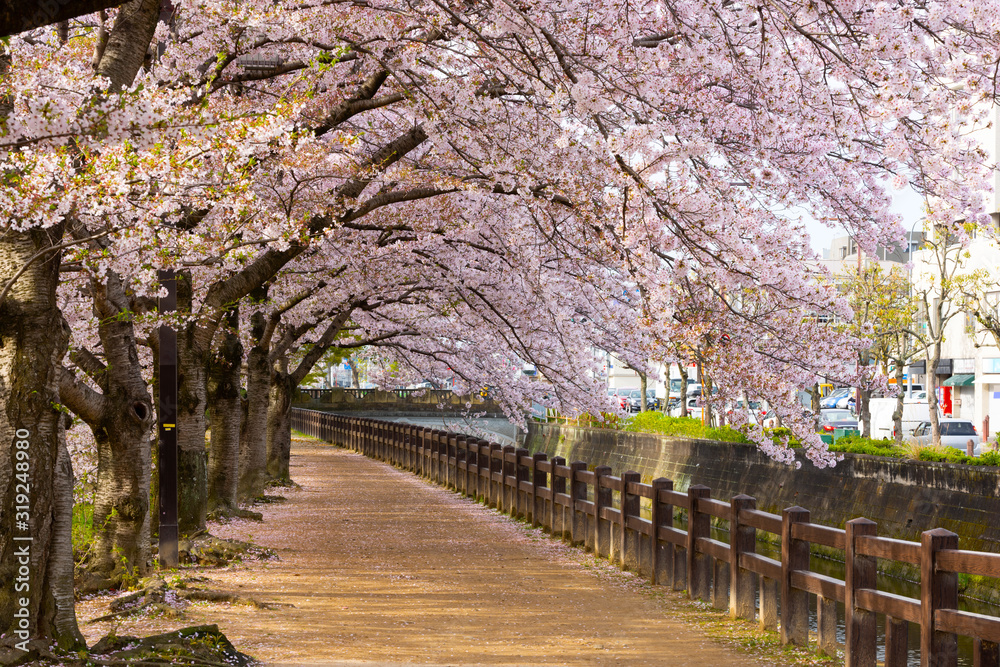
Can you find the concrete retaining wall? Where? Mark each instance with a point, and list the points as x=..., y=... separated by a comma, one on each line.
x=903, y=497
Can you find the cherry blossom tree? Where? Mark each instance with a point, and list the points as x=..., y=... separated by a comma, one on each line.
x=486, y=185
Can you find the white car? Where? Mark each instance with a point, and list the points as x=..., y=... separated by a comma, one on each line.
x=954, y=433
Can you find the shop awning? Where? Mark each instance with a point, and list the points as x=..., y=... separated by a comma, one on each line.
x=959, y=381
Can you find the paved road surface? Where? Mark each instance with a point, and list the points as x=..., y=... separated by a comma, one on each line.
x=383, y=568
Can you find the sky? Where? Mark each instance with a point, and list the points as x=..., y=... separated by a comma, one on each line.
x=907, y=203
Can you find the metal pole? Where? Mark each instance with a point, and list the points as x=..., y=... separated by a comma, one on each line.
x=168, y=426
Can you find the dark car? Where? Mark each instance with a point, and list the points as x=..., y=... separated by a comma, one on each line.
x=832, y=419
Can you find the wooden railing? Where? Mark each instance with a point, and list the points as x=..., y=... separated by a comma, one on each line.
x=602, y=512
x=433, y=401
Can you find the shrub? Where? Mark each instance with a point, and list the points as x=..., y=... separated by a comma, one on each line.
x=855, y=444
x=778, y=435
x=686, y=427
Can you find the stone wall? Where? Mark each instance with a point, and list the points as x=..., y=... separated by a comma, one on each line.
x=903, y=497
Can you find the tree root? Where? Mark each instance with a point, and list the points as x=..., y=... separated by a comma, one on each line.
x=265, y=499
x=225, y=514
x=159, y=598
x=195, y=645
x=207, y=550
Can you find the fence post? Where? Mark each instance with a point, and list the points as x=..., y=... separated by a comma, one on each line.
x=411, y=448
x=557, y=513
x=578, y=491
x=401, y=430
x=420, y=452
x=496, y=469
x=896, y=635
x=462, y=459
x=602, y=499
x=441, y=456
x=539, y=480
x=395, y=439
x=482, y=464
x=509, y=473
x=450, y=444
x=521, y=473
x=794, y=556
x=661, y=557
x=629, y=549
x=938, y=590
x=859, y=624
x=985, y=653
x=742, y=540
x=471, y=469
x=699, y=566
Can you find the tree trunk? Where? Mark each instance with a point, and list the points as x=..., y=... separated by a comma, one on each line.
x=684, y=384
x=932, y=385
x=642, y=390
x=121, y=419
x=897, y=414
x=864, y=411
x=192, y=393
x=253, y=438
x=283, y=384
x=227, y=413
x=815, y=405
x=666, y=399
x=279, y=423
x=33, y=340
x=129, y=41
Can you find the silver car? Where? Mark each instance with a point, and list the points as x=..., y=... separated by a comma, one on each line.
x=954, y=433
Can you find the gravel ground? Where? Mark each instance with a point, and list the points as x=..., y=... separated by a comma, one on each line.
x=375, y=566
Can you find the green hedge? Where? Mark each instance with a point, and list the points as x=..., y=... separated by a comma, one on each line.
x=688, y=427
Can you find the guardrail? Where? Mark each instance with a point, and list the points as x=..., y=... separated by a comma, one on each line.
x=602, y=512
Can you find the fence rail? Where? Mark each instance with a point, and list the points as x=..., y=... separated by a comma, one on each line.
x=602, y=512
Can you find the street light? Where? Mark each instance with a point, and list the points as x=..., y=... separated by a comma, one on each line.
x=909, y=288
x=167, y=414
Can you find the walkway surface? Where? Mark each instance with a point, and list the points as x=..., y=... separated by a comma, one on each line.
x=381, y=567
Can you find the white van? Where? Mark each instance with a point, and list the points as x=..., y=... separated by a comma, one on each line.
x=881, y=414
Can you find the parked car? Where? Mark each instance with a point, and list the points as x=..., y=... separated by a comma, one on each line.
x=882, y=409
x=849, y=401
x=754, y=410
x=954, y=433
x=770, y=419
x=831, y=399
x=618, y=400
x=634, y=400
x=694, y=409
x=831, y=419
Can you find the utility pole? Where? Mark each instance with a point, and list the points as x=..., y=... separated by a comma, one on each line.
x=167, y=415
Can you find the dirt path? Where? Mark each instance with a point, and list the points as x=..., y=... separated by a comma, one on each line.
x=384, y=568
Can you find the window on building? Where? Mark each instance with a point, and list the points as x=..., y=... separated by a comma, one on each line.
x=843, y=252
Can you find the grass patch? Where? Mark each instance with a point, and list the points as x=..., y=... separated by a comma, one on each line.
x=83, y=529
x=687, y=427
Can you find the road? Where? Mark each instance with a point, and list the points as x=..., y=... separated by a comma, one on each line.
x=378, y=567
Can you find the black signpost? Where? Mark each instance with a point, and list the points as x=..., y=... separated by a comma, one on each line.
x=168, y=426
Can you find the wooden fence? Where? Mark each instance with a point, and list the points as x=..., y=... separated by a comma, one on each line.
x=602, y=512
